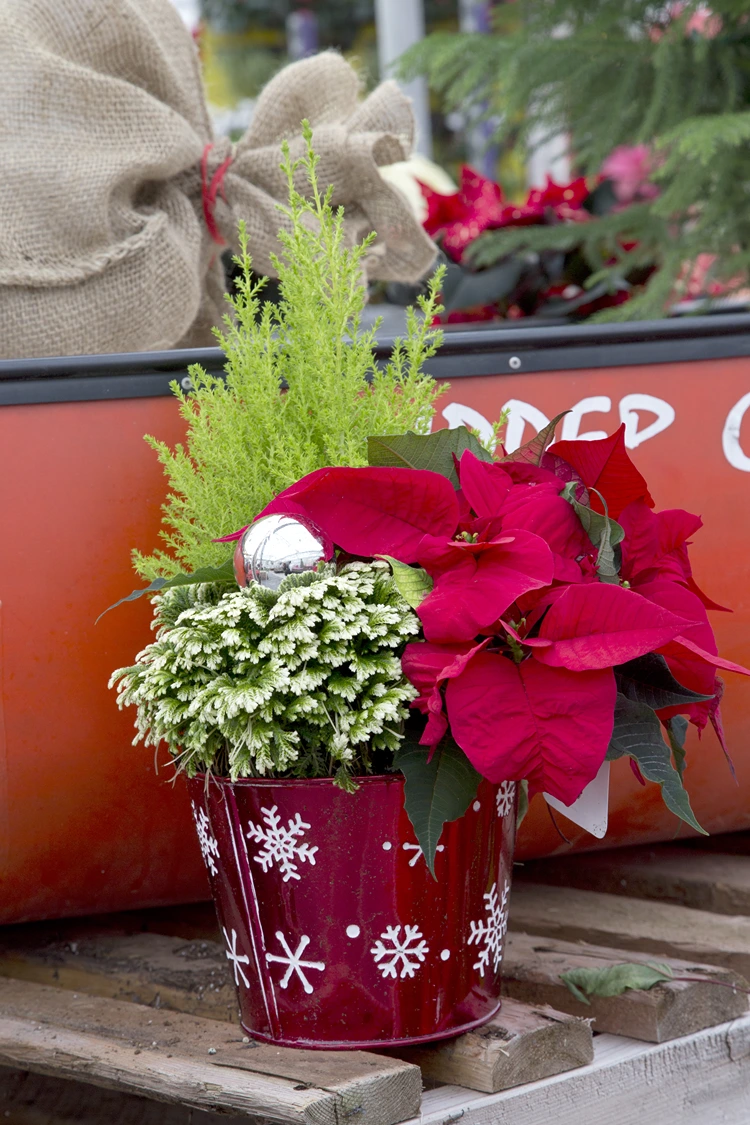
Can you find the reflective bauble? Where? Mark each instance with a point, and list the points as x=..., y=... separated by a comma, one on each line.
x=275, y=546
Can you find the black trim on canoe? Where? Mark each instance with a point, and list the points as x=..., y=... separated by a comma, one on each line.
x=480, y=351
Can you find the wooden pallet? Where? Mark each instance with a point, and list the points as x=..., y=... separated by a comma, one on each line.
x=142, y=1007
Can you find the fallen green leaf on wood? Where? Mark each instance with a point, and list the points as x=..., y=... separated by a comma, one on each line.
x=615, y=979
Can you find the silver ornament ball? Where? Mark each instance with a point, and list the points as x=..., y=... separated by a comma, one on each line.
x=275, y=546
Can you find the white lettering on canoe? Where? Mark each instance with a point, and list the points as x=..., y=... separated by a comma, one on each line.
x=730, y=438
x=571, y=425
x=521, y=413
x=630, y=405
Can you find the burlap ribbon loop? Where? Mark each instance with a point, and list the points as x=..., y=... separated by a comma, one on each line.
x=116, y=196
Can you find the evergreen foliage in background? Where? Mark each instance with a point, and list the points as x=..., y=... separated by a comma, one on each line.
x=620, y=72
x=302, y=389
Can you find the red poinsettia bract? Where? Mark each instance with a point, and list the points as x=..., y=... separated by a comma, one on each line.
x=521, y=633
x=479, y=205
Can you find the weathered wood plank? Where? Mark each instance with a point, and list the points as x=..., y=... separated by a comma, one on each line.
x=568, y=914
x=685, y=876
x=521, y=1044
x=37, y=1099
x=145, y=968
x=703, y=1079
x=531, y=973
x=165, y=1056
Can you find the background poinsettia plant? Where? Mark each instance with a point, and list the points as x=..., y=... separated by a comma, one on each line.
x=499, y=269
x=561, y=622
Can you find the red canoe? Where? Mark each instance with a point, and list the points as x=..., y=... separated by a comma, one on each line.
x=85, y=823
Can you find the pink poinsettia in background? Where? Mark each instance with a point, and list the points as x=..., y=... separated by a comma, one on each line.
x=628, y=168
x=557, y=607
x=703, y=22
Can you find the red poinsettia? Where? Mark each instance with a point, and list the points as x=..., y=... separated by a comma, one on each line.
x=459, y=218
x=531, y=616
x=478, y=205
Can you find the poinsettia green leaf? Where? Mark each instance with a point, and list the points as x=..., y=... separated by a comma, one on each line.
x=594, y=523
x=435, y=452
x=638, y=734
x=647, y=679
x=676, y=731
x=523, y=802
x=609, y=557
x=223, y=574
x=412, y=582
x=436, y=791
x=614, y=979
x=604, y=532
x=533, y=451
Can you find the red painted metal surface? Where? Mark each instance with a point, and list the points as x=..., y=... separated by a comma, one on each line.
x=337, y=934
x=85, y=824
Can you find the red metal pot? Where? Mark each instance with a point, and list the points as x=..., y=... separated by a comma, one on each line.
x=337, y=934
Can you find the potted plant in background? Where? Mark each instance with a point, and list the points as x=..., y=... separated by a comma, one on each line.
x=540, y=258
x=533, y=607
x=659, y=92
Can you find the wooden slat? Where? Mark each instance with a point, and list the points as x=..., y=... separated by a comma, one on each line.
x=568, y=914
x=531, y=973
x=37, y=1099
x=685, y=876
x=194, y=977
x=703, y=1079
x=522, y=1044
x=165, y=1056
x=166, y=972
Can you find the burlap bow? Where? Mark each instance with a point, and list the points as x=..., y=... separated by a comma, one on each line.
x=114, y=191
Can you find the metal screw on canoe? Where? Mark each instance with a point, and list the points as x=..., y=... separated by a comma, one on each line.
x=186, y=383
x=514, y=362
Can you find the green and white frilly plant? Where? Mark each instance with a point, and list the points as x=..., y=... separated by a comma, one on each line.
x=303, y=681
x=303, y=388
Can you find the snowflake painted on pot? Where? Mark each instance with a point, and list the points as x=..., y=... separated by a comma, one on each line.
x=505, y=797
x=408, y=954
x=418, y=852
x=237, y=959
x=294, y=961
x=280, y=844
x=206, y=840
x=489, y=933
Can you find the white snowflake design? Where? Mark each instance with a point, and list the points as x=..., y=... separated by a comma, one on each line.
x=237, y=959
x=209, y=847
x=280, y=844
x=418, y=852
x=294, y=961
x=490, y=931
x=409, y=953
x=505, y=797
